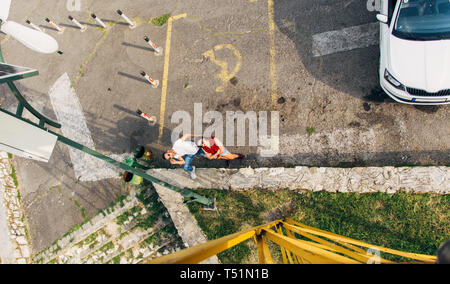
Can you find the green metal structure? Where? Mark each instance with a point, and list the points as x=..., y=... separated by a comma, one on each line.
x=188, y=195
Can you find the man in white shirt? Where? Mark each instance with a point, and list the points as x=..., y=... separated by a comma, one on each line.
x=182, y=153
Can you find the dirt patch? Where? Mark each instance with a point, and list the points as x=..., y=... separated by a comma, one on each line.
x=428, y=109
x=282, y=212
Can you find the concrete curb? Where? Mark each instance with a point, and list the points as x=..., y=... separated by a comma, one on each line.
x=362, y=180
x=14, y=248
x=183, y=220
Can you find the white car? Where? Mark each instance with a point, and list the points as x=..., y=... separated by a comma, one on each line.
x=415, y=50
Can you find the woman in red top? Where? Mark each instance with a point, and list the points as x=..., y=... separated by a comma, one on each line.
x=214, y=149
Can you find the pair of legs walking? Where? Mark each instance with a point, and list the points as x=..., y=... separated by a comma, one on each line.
x=188, y=160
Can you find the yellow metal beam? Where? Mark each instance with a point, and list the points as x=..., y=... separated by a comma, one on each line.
x=263, y=250
x=335, y=237
x=333, y=247
x=204, y=251
x=283, y=251
x=355, y=248
x=316, y=251
x=307, y=250
x=295, y=257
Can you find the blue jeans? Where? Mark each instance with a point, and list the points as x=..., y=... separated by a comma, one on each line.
x=188, y=159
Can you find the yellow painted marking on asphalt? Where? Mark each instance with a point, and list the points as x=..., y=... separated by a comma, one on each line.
x=97, y=45
x=238, y=33
x=200, y=24
x=166, y=73
x=224, y=75
x=273, y=68
x=26, y=17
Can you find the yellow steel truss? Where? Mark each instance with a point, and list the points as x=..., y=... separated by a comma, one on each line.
x=299, y=244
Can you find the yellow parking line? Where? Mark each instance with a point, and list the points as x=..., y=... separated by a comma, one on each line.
x=85, y=63
x=166, y=74
x=273, y=68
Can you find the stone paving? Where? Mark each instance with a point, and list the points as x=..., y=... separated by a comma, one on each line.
x=14, y=243
x=360, y=179
x=137, y=228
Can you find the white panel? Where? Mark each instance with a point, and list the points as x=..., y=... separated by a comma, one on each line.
x=33, y=39
x=20, y=138
x=4, y=9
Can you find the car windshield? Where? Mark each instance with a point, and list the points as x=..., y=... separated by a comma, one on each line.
x=423, y=20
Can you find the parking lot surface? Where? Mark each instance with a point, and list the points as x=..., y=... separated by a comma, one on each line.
x=228, y=55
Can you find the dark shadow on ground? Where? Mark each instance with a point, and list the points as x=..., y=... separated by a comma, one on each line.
x=350, y=72
x=90, y=24
x=115, y=22
x=139, y=79
x=137, y=46
x=70, y=26
x=44, y=27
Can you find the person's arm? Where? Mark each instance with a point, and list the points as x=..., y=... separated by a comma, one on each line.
x=180, y=161
x=208, y=155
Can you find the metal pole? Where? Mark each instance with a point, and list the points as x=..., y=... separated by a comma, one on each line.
x=34, y=26
x=24, y=103
x=99, y=21
x=130, y=22
x=59, y=29
x=82, y=28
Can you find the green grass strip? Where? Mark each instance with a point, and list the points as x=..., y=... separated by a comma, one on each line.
x=161, y=20
x=416, y=223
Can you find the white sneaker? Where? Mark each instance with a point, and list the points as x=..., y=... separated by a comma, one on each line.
x=193, y=175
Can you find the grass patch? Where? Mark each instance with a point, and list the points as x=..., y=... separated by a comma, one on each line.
x=153, y=239
x=91, y=238
x=107, y=247
x=416, y=223
x=120, y=198
x=122, y=218
x=116, y=259
x=161, y=20
x=13, y=175
x=310, y=130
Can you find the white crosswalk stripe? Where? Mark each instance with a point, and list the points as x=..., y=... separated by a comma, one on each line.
x=346, y=39
x=70, y=115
